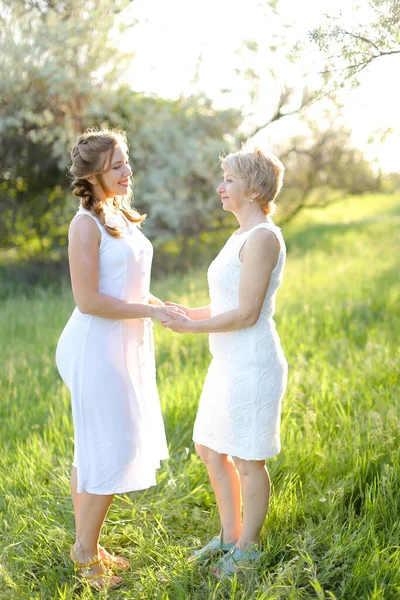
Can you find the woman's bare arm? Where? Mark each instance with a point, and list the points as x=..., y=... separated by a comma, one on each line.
x=83, y=252
x=260, y=256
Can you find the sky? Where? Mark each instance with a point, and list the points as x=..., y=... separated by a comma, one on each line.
x=185, y=46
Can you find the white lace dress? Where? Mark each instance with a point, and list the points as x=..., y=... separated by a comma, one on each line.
x=109, y=367
x=240, y=405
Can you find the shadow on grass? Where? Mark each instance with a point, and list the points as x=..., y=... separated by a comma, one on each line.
x=24, y=277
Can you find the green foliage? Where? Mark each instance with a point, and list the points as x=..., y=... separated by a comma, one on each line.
x=333, y=528
x=175, y=146
x=55, y=85
x=57, y=58
x=70, y=80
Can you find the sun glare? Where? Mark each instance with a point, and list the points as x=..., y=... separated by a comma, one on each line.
x=183, y=48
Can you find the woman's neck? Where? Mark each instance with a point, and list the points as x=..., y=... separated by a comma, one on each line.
x=250, y=219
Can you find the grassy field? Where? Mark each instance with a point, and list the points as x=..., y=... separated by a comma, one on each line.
x=333, y=530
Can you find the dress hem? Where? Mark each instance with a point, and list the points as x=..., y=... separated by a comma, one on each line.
x=151, y=482
x=223, y=448
x=121, y=491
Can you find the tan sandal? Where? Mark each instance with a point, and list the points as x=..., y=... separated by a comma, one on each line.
x=118, y=563
x=106, y=583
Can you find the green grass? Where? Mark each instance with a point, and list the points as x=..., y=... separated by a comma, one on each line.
x=333, y=529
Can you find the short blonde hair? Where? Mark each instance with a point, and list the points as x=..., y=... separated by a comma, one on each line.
x=262, y=172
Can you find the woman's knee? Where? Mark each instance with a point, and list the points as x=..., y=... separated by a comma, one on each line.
x=247, y=468
x=208, y=456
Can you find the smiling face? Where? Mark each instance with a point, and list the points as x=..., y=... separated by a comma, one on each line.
x=116, y=180
x=233, y=191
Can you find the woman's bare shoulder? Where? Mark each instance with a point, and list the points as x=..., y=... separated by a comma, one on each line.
x=83, y=227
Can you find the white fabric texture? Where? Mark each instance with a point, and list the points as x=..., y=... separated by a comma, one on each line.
x=109, y=367
x=240, y=405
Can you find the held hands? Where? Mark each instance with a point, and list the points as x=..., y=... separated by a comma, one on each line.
x=177, y=321
x=186, y=311
x=163, y=313
x=173, y=316
x=176, y=317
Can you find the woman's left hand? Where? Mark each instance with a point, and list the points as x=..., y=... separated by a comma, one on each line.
x=177, y=322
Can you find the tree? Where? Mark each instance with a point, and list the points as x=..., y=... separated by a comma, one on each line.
x=284, y=99
x=53, y=86
x=49, y=85
x=350, y=50
x=321, y=168
x=69, y=80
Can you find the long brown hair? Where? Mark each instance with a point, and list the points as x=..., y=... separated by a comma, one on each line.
x=92, y=155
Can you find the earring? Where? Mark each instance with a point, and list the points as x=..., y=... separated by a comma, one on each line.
x=252, y=199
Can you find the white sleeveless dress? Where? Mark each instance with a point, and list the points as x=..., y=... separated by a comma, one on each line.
x=240, y=405
x=109, y=367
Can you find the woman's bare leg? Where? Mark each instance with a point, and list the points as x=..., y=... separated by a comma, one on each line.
x=256, y=490
x=90, y=511
x=76, y=498
x=225, y=483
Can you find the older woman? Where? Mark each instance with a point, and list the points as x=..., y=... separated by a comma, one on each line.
x=238, y=420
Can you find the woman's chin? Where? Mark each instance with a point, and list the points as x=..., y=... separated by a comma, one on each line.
x=122, y=191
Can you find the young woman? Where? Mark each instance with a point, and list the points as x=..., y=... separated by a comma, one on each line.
x=238, y=420
x=105, y=353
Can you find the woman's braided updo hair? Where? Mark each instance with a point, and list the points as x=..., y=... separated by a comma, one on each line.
x=92, y=155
